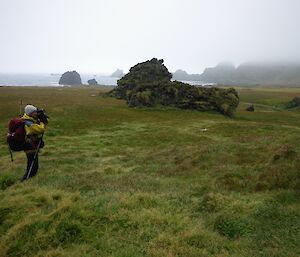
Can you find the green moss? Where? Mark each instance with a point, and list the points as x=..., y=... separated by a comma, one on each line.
x=233, y=226
x=68, y=232
x=4, y=214
x=22, y=244
x=7, y=180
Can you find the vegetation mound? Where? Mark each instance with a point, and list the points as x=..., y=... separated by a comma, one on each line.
x=149, y=84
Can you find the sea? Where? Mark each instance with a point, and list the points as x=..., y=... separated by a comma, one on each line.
x=51, y=79
x=48, y=79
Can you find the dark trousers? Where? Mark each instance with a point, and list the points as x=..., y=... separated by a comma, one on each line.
x=33, y=163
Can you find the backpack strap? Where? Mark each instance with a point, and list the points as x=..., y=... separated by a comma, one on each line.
x=11, y=156
x=28, y=122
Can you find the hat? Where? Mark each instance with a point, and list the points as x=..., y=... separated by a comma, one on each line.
x=30, y=109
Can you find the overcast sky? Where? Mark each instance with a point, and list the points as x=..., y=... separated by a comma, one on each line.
x=100, y=36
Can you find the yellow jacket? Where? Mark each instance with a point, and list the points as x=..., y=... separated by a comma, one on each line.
x=32, y=127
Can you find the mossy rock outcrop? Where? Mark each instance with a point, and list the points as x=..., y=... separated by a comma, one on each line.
x=149, y=84
x=142, y=75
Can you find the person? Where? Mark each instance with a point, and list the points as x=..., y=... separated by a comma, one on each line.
x=34, y=130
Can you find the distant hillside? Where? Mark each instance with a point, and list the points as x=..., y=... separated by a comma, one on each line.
x=182, y=75
x=223, y=73
x=253, y=73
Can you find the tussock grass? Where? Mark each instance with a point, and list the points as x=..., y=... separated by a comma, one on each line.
x=119, y=181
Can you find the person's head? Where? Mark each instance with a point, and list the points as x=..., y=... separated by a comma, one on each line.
x=31, y=111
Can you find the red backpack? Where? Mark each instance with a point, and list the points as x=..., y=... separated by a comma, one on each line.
x=16, y=135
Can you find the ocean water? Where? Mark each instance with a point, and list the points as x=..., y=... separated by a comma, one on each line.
x=47, y=79
x=197, y=83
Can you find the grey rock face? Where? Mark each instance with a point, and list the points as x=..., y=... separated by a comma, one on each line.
x=71, y=78
x=92, y=82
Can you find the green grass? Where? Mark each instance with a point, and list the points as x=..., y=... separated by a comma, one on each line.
x=119, y=181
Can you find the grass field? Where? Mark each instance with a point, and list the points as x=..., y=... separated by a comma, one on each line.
x=126, y=182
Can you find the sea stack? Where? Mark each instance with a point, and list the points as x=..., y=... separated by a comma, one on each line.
x=71, y=78
x=117, y=74
x=92, y=82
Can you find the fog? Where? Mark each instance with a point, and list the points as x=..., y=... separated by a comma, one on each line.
x=101, y=36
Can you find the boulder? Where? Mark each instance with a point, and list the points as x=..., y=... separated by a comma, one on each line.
x=149, y=84
x=92, y=82
x=294, y=103
x=70, y=78
x=250, y=108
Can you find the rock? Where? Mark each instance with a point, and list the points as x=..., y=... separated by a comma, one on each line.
x=294, y=103
x=70, y=78
x=92, y=82
x=182, y=75
x=117, y=74
x=149, y=84
x=250, y=108
x=143, y=74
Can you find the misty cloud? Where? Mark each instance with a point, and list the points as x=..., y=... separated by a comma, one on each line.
x=100, y=36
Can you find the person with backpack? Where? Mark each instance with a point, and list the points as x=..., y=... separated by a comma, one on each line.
x=34, y=131
x=26, y=134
